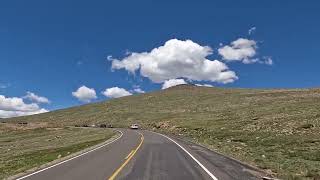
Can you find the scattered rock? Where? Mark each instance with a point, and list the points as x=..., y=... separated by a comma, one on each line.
x=267, y=178
x=162, y=125
x=307, y=126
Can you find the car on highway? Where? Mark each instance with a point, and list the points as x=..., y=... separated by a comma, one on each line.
x=105, y=126
x=134, y=126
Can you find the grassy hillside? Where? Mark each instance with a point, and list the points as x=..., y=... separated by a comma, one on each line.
x=276, y=130
x=23, y=147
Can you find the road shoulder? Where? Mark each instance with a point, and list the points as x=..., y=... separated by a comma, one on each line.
x=220, y=165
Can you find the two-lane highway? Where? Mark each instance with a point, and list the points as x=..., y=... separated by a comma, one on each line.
x=160, y=158
x=146, y=155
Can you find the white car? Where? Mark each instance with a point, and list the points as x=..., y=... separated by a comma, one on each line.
x=134, y=126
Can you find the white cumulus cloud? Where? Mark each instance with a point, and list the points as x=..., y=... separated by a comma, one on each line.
x=176, y=59
x=204, y=85
x=8, y=114
x=116, y=92
x=14, y=106
x=35, y=98
x=138, y=90
x=173, y=82
x=239, y=50
x=243, y=50
x=85, y=94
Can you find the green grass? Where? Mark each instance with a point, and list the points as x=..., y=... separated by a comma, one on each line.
x=277, y=130
x=25, y=149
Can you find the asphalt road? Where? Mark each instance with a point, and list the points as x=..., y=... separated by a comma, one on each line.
x=146, y=155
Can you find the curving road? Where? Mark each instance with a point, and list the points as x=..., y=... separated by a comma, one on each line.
x=145, y=155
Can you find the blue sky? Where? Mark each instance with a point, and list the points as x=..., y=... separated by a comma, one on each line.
x=51, y=48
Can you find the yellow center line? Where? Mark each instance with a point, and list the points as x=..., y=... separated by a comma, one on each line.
x=129, y=154
x=128, y=158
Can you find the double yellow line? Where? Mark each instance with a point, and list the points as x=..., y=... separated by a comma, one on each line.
x=128, y=158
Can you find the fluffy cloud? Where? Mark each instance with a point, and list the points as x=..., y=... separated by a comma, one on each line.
x=35, y=98
x=138, y=90
x=243, y=50
x=176, y=59
x=205, y=85
x=8, y=114
x=239, y=50
x=14, y=106
x=116, y=92
x=173, y=82
x=85, y=94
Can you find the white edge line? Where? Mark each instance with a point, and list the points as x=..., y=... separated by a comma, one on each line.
x=198, y=162
x=23, y=177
